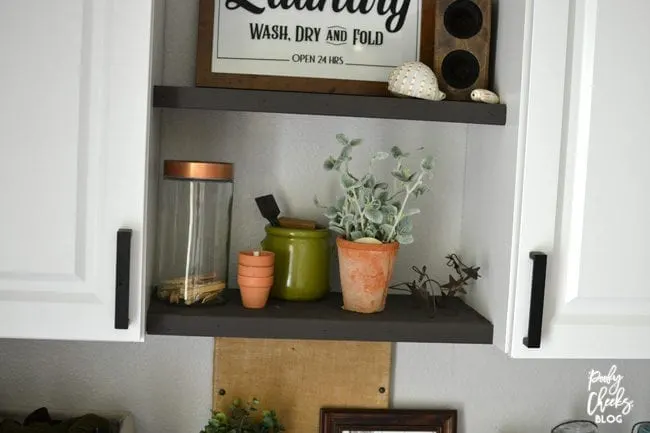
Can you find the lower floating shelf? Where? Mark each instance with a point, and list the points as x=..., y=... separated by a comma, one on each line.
x=401, y=321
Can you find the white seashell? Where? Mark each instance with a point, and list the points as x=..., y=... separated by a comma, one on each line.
x=484, y=95
x=415, y=79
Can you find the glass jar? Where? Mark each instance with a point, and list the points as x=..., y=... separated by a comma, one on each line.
x=194, y=231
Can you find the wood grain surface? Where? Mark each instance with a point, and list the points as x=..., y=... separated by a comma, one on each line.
x=297, y=378
x=478, y=45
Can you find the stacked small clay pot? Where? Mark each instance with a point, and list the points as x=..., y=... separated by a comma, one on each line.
x=255, y=277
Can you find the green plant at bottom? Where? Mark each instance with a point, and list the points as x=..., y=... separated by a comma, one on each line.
x=244, y=418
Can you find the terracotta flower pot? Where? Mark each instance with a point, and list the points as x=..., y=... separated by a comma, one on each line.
x=248, y=258
x=254, y=290
x=366, y=271
x=255, y=271
x=255, y=277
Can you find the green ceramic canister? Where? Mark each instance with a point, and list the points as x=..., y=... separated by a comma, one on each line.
x=301, y=262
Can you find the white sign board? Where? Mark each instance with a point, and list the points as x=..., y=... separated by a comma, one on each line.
x=339, y=39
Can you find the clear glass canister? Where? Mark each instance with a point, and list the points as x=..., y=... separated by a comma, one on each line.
x=194, y=231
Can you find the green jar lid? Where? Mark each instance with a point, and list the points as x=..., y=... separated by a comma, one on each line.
x=318, y=233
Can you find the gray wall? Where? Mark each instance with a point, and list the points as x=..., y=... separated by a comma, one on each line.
x=166, y=381
x=284, y=155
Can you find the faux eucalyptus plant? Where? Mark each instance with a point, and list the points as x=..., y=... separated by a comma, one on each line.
x=244, y=418
x=370, y=208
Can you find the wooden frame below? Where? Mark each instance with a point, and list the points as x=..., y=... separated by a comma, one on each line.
x=206, y=78
x=385, y=420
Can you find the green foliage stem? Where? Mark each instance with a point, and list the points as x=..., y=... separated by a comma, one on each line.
x=423, y=287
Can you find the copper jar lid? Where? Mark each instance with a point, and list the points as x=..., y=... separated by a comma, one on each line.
x=198, y=170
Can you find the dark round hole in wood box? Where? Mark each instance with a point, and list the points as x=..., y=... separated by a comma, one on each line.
x=460, y=69
x=463, y=19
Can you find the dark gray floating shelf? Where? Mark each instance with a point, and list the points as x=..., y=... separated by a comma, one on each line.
x=401, y=321
x=382, y=107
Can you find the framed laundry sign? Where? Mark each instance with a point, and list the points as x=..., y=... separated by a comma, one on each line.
x=326, y=46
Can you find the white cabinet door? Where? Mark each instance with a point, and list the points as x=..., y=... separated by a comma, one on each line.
x=586, y=178
x=74, y=112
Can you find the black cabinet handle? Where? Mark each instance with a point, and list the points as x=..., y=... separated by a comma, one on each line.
x=122, y=278
x=534, y=339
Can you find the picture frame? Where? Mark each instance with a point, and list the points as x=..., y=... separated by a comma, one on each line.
x=205, y=77
x=334, y=420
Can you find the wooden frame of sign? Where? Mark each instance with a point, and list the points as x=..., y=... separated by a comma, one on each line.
x=346, y=420
x=206, y=78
